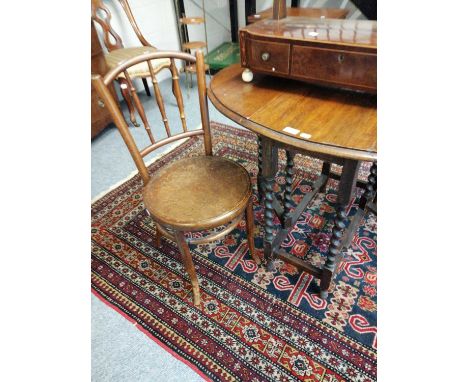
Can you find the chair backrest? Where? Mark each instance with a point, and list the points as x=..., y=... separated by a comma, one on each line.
x=101, y=15
x=101, y=84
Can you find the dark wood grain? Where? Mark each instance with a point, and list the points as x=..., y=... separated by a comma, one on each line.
x=268, y=56
x=360, y=34
x=344, y=68
x=330, y=52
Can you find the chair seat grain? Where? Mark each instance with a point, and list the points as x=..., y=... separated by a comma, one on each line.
x=197, y=192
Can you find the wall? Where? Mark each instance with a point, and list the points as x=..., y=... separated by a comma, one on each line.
x=218, y=22
x=354, y=13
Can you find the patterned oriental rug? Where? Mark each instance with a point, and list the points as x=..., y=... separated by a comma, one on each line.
x=252, y=325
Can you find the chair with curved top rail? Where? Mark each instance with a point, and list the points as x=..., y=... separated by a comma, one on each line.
x=192, y=194
x=117, y=54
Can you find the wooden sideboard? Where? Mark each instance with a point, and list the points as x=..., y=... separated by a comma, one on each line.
x=331, y=52
x=100, y=117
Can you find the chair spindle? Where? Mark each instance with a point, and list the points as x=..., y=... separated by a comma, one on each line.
x=139, y=107
x=205, y=118
x=159, y=99
x=177, y=93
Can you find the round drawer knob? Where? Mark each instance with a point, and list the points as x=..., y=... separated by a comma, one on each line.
x=265, y=56
x=101, y=103
x=340, y=58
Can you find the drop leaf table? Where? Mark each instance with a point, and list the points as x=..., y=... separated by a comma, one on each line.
x=334, y=126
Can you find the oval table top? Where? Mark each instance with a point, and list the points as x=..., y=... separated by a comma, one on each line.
x=316, y=119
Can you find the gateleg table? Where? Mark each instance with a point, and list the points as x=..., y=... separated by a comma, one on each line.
x=332, y=125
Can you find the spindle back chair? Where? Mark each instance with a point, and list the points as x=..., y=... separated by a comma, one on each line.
x=193, y=194
x=118, y=53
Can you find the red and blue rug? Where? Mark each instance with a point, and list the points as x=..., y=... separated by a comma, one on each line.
x=252, y=325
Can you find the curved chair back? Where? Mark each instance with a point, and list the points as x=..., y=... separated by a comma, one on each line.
x=101, y=84
x=101, y=15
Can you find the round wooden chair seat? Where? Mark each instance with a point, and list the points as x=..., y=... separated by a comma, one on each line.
x=197, y=193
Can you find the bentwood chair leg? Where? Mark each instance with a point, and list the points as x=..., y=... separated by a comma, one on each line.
x=124, y=88
x=249, y=219
x=189, y=267
x=158, y=237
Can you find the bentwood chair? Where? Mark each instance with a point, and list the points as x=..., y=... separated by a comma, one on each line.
x=117, y=54
x=193, y=194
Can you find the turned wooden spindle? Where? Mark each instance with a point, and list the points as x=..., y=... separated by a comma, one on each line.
x=250, y=227
x=371, y=187
x=259, y=174
x=334, y=249
x=269, y=225
x=139, y=107
x=177, y=93
x=159, y=99
x=288, y=202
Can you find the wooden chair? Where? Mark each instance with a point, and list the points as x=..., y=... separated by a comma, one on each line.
x=117, y=54
x=192, y=194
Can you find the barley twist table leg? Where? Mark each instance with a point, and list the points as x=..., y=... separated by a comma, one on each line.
x=269, y=169
x=346, y=190
x=288, y=202
x=260, y=165
x=371, y=187
x=334, y=250
x=269, y=225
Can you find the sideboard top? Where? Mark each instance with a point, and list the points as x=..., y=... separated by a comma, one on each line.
x=348, y=32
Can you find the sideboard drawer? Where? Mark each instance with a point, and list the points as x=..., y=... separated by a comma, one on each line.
x=348, y=68
x=269, y=56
